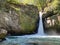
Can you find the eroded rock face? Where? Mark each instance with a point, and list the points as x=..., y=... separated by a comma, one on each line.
x=9, y=22
x=52, y=25
x=24, y=21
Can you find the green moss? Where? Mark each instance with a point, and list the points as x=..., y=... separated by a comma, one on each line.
x=28, y=20
x=2, y=36
x=14, y=1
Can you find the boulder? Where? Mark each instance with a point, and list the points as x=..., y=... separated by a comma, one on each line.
x=3, y=34
x=20, y=19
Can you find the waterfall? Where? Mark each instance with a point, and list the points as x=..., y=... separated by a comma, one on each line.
x=40, y=28
x=38, y=34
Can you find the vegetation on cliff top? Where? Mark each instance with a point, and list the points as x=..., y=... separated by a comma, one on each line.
x=46, y=4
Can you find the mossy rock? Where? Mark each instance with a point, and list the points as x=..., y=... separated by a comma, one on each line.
x=21, y=21
x=29, y=18
x=3, y=33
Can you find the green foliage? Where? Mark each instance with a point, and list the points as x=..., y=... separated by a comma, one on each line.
x=56, y=5
x=39, y=3
x=14, y=1
x=2, y=4
x=42, y=3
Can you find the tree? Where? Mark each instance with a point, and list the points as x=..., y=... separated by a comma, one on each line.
x=53, y=6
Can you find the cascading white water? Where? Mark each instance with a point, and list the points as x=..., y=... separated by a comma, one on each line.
x=40, y=28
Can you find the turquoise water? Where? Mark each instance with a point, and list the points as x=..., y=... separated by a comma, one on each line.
x=30, y=41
